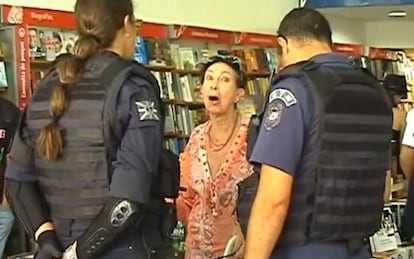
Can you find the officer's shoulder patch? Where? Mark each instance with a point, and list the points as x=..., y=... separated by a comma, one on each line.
x=273, y=114
x=147, y=110
x=284, y=95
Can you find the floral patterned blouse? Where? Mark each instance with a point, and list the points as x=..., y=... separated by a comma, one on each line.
x=208, y=205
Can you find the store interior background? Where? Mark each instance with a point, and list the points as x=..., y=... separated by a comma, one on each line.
x=368, y=26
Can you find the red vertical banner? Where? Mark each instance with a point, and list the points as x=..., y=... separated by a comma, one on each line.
x=22, y=65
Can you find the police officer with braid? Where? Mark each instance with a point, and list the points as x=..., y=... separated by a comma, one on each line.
x=322, y=150
x=84, y=170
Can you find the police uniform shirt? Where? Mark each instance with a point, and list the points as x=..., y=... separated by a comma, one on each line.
x=137, y=157
x=281, y=142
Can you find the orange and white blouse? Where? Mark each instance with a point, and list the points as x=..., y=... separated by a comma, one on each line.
x=208, y=205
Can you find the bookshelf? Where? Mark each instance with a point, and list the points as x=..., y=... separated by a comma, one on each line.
x=171, y=52
x=383, y=61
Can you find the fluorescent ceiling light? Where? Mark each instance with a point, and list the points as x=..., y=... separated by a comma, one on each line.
x=397, y=14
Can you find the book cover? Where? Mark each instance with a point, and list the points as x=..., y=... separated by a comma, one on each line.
x=69, y=39
x=158, y=52
x=3, y=75
x=36, y=43
x=140, y=51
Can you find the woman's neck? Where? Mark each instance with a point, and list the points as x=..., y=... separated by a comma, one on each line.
x=224, y=122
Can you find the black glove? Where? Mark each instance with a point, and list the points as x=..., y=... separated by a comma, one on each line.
x=49, y=246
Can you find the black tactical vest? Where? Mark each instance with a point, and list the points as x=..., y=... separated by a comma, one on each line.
x=76, y=185
x=339, y=194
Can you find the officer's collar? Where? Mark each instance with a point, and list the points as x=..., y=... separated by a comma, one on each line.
x=109, y=53
x=327, y=58
x=101, y=59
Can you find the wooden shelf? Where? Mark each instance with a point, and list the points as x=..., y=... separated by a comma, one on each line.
x=160, y=68
x=197, y=72
x=187, y=72
x=258, y=74
x=40, y=62
x=44, y=63
x=191, y=105
x=175, y=135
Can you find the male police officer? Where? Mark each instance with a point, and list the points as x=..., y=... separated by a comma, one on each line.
x=323, y=149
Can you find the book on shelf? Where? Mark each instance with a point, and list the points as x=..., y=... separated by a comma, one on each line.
x=383, y=62
x=140, y=54
x=3, y=75
x=48, y=43
x=158, y=53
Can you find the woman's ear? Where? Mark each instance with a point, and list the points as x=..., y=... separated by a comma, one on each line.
x=240, y=95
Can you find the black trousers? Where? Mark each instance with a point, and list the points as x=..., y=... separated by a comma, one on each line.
x=133, y=244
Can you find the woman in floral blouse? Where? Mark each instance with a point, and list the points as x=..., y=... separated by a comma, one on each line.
x=213, y=162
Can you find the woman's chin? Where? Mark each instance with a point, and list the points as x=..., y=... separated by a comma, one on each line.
x=215, y=111
x=212, y=108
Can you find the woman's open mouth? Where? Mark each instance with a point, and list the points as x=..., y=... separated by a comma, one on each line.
x=213, y=98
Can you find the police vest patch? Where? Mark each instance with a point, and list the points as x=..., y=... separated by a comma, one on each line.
x=147, y=111
x=279, y=99
x=273, y=115
x=284, y=95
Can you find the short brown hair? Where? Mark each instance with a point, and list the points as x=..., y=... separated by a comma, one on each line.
x=230, y=61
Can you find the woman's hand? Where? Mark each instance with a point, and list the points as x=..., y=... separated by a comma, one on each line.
x=238, y=244
x=70, y=252
x=169, y=200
